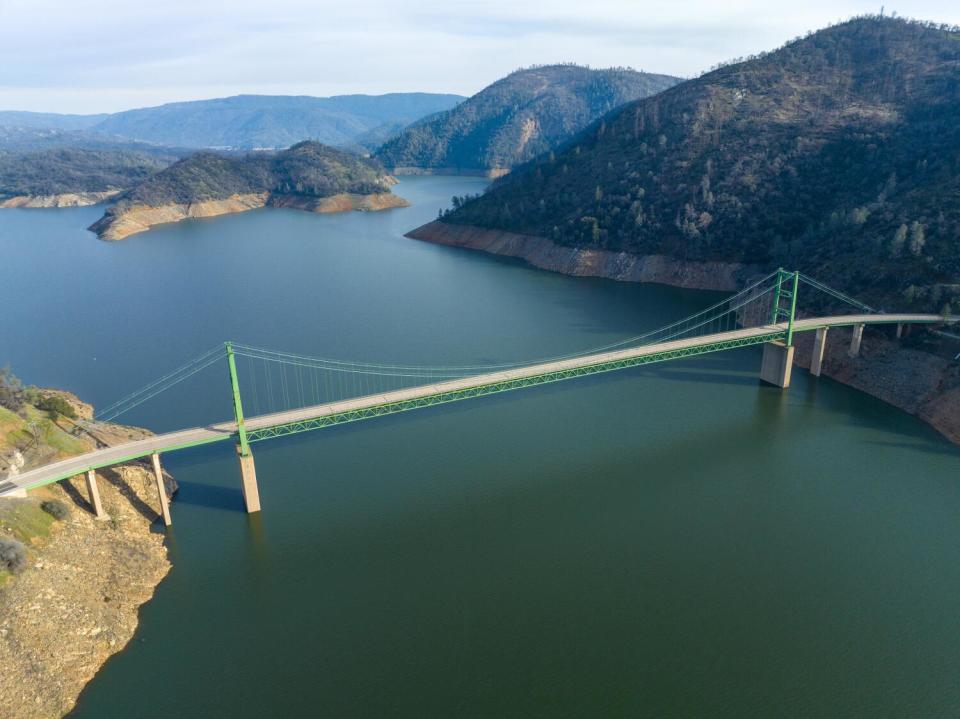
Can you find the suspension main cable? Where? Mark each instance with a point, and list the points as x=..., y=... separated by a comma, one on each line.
x=333, y=364
x=188, y=365
x=113, y=414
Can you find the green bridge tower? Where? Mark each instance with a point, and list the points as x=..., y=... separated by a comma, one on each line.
x=248, y=470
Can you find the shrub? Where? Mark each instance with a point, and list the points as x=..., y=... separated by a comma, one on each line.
x=13, y=556
x=56, y=406
x=56, y=509
x=11, y=390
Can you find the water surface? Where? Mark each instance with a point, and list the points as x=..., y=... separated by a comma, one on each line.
x=676, y=540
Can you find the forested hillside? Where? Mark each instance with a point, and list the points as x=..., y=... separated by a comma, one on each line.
x=526, y=113
x=53, y=172
x=308, y=168
x=838, y=154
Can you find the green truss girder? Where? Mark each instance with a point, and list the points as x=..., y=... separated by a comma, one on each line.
x=331, y=420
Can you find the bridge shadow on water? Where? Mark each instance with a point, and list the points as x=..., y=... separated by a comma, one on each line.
x=209, y=496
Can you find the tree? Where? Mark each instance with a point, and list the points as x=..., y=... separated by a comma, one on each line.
x=899, y=240
x=56, y=407
x=11, y=390
x=917, y=238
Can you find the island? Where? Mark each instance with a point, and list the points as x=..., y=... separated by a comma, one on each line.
x=308, y=176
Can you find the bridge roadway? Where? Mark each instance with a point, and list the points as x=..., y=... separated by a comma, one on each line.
x=259, y=427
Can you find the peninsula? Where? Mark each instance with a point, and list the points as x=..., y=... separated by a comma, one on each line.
x=308, y=176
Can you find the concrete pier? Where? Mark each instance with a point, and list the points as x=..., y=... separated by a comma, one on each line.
x=248, y=478
x=855, y=342
x=819, y=345
x=777, y=365
x=161, y=489
x=899, y=330
x=94, y=493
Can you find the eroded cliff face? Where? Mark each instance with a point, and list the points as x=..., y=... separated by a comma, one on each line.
x=120, y=223
x=921, y=383
x=76, y=603
x=69, y=199
x=541, y=252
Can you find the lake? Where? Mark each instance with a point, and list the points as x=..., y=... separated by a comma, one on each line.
x=675, y=540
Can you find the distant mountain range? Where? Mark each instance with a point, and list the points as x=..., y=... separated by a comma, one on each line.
x=525, y=114
x=242, y=122
x=838, y=154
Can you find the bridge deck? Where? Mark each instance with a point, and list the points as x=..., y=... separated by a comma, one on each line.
x=400, y=400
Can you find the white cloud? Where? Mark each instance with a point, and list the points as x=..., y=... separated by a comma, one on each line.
x=105, y=55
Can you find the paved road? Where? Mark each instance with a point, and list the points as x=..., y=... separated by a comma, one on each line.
x=224, y=432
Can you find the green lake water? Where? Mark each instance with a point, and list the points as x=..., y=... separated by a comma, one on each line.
x=671, y=541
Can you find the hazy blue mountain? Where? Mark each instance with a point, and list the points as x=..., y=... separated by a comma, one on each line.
x=48, y=120
x=261, y=121
x=19, y=138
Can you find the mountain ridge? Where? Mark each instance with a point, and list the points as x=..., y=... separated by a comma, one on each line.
x=837, y=153
x=528, y=112
x=243, y=121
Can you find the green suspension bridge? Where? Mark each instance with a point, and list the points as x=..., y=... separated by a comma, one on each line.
x=290, y=393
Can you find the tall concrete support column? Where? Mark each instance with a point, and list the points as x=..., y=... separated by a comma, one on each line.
x=855, y=342
x=819, y=345
x=777, y=365
x=248, y=478
x=94, y=493
x=161, y=489
x=899, y=330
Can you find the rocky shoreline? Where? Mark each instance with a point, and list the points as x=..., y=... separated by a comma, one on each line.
x=67, y=199
x=131, y=220
x=622, y=266
x=77, y=601
x=921, y=383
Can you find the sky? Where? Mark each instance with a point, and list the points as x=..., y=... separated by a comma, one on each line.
x=89, y=56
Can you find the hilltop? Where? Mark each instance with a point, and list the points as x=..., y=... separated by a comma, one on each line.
x=838, y=154
x=308, y=176
x=516, y=118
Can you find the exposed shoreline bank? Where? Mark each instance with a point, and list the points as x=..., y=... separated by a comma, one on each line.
x=917, y=382
x=141, y=218
x=66, y=199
